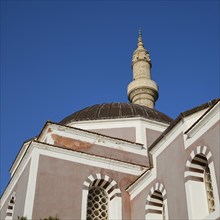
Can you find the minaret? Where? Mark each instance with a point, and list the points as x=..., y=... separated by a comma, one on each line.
x=142, y=90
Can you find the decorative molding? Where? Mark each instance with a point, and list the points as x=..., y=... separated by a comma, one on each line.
x=92, y=137
x=119, y=123
x=144, y=180
x=89, y=159
x=31, y=184
x=149, y=176
x=19, y=157
x=204, y=119
x=16, y=175
x=202, y=125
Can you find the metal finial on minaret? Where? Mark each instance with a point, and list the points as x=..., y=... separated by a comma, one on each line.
x=140, y=43
x=140, y=35
x=142, y=90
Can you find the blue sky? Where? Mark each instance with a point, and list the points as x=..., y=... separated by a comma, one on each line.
x=58, y=57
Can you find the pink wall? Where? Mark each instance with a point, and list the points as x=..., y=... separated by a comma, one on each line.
x=59, y=188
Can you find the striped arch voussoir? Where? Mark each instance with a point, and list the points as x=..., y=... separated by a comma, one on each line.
x=105, y=182
x=154, y=203
x=194, y=169
x=157, y=187
x=10, y=209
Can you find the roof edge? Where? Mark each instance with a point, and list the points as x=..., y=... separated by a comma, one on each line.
x=142, y=112
x=182, y=115
x=86, y=131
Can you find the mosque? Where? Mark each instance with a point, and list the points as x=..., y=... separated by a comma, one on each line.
x=117, y=161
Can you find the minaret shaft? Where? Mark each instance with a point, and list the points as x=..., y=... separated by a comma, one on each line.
x=141, y=69
x=142, y=90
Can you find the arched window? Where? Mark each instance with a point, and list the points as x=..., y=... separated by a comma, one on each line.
x=97, y=204
x=156, y=206
x=200, y=194
x=103, y=198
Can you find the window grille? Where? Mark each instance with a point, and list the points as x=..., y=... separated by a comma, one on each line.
x=209, y=190
x=97, y=204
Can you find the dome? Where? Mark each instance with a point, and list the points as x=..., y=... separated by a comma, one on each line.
x=114, y=111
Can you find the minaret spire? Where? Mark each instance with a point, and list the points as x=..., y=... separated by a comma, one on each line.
x=140, y=37
x=142, y=90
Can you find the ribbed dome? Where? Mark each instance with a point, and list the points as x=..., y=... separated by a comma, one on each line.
x=116, y=110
